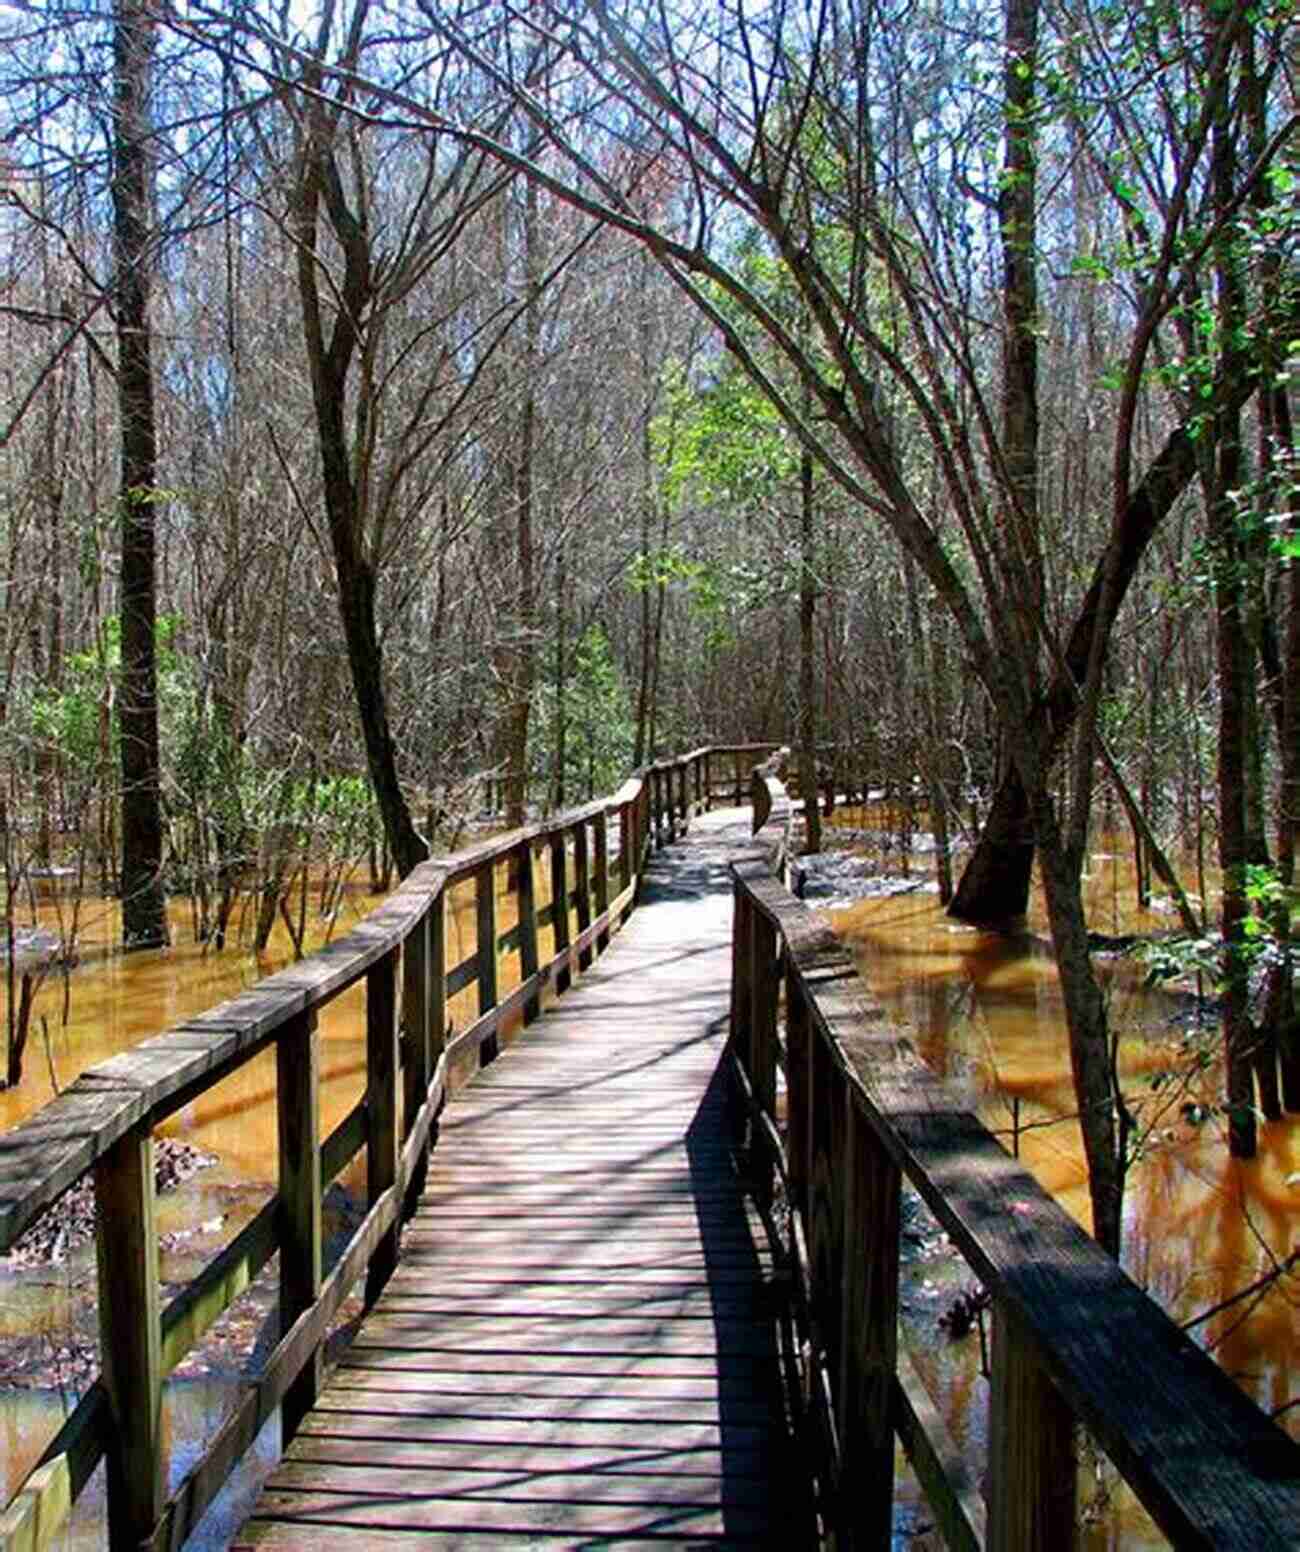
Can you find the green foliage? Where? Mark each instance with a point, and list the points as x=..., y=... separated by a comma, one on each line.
x=73, y=718
x=718, y=593
x=341, y=810
x=599, y=730
x=720, y=443
x=1175, y=958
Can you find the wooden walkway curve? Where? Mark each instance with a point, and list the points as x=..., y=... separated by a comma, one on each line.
x=577, y=1348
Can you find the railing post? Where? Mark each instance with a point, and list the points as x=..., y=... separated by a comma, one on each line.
x=436, y=980
x=798, y=1081
x=765, y=981
x=297, y=1089
x=582, y=888
x=382, y=1135
x=869, y=1333
x=528, y=927
x=600, y=834
x=1031, y=1460
x=418, y=1055
x=626, y=829
x=130, y=1335
x=485, y=903
x=560, y=906
x=824, y=1223
x=656, y=807
x=742, y=984
x=740, y=779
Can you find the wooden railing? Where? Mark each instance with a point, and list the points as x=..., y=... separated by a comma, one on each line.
x=1074, y=1340
x=104, y=1123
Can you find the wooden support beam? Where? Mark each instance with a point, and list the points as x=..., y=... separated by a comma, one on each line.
x=130, y=1335
x=798, y=1085
x=582, y=887
x=436, y=948
x=528, y=926
x=600, y=834
x=298, y=1118
x=765, y=983
x=560, y=905
x=940, y=1466
x=39, y=1510
x=626, y=842
x=485, y=901
x=417, y=1045
x=383, y=1142
x=742, y=951
x=868, y=1333
x=1031, y=1461
x=825, y=1211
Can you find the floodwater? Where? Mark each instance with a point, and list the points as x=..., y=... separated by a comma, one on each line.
x=47, y=1323
x=985, y=1012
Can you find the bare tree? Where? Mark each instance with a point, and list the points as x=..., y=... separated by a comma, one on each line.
x=789, y=124
x=144, y=909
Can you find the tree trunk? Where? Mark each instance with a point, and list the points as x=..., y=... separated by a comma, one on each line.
x=1281, y=637
x=319, y=181
x=994, y=887
x=1282, y=1009
x=561, y=683
x=1226, y=470
x=808, y=783
x=930, y=657
x=144, y=909
x=524, y=667
x=356, y=585
x=1085, y=1010
x=995, y=884
x=941, y=763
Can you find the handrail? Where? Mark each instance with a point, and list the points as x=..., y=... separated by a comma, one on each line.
x=1074, y=1340
x=104, y=1122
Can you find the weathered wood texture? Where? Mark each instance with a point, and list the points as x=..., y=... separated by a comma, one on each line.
x=578, y=1344
x=1075, y=1340
x=105, y=1119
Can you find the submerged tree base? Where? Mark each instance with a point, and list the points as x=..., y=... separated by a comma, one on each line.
x=994, y=888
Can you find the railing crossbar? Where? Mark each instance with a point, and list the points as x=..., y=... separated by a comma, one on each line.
x=1074, y=1340
x=105, y=1121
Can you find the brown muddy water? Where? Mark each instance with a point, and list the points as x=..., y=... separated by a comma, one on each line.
x=983, y=1010
x=48, y=1345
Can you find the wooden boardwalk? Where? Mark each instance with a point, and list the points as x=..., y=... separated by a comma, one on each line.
x=577, y=1348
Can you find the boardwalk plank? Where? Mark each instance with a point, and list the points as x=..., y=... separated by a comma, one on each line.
x=577, y=1346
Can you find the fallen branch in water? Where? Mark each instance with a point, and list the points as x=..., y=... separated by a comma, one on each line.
x=1257, y=1289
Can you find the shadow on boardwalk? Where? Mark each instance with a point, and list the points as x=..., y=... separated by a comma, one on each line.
x=578, y=1347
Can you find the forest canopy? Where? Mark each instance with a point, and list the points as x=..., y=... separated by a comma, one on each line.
x=529, y=390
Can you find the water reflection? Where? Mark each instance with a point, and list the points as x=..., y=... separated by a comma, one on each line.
x=985, y=1012
x=113, y=1001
